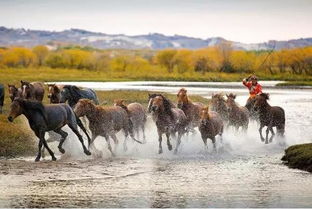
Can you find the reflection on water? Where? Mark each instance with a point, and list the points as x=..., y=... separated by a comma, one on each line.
x=244, y=172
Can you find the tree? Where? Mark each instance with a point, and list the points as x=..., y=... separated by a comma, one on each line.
x=18, y=57
x=182, y=60
x=166, y=59
x=41, y=53
x=225, y=50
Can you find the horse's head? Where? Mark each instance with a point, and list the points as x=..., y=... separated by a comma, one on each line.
x=204, y=113
x=217, y=101
x=16, y=109
x=230, y=102
x=157, y=104
x=54, y=93
x=65, y=94
x=13, y=91
x=26, y=89
x=260, y=101
x=150, y=97
x=182, y=97
x=83, y=107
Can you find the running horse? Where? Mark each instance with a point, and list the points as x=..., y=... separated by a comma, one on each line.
x=14, y=92
x=169, y=120
x=54, y=93
x=33, y=91
x=218, y=104
x=190, y=109
x=137, y=115
x=105, y=121
x=238, y=115
x=270, y=116
x=73, y=94
x=43, y=118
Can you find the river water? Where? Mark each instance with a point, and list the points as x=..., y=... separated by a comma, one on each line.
x=243, y=172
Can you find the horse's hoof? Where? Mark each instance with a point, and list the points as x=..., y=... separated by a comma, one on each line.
x=160, y=151
x=61, y=150
x=266, y=142
x=170, y=147
x=53, y=158
x=37, y=159
x=87, y=152
x=175, y=152
x=262, y=139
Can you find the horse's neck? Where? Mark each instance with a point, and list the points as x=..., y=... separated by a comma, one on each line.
x=94, y=114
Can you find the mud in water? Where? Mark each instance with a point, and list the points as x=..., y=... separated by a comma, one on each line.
x=243, y=172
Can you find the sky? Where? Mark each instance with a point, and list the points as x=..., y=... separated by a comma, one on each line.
x=247, y=21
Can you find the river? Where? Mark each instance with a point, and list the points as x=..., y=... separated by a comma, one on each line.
x=243, y=172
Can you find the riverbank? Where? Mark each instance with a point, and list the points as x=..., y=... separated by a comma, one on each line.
x=299, y=156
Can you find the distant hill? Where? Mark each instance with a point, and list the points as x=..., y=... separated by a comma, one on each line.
x=29, y=38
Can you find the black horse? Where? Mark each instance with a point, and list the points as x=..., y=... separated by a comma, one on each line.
x=43, y=118
x=72, y=94
x=1, y=97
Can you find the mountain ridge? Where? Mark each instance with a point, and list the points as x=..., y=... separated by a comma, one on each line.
x=75, y=36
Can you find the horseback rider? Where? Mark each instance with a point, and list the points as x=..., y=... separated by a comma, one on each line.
x=254, y=88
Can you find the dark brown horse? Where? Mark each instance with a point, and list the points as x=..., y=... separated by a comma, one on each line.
x=218, y=104
x=54, y=93
x=137, y=115
x=168, y=119
x=190, y=109
x=105, y=121
x=210, y=126
x=270, y=116
x=238, y=115
x=14, y=92
x=34, y=90
x=43, y=118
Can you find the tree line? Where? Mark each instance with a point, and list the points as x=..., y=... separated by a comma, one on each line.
x=222, y=58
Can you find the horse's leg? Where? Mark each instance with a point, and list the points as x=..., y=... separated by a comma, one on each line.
x=178, y=142
x=64, y=136
x=205, y=142
x=159, y=141
x=260, y=131
x=41, y=134
x=213, y=139
x=39, y=151
x=143, y=131
x=108, y=144
x=113, y=135
x=273, y=134
x=267, y=134
x=168, y=141
x=125, y=141
x=75, y=130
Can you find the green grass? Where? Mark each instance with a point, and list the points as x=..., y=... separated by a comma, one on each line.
x=299, y=156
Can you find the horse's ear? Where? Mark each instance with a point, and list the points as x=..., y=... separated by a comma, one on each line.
x=227, y=95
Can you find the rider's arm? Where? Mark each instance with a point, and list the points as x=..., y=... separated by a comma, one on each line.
x=245, y=82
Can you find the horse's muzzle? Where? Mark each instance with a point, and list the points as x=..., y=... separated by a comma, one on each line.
x=10, y=118
x=154, y=108
x=179, y=105
x=49, y=96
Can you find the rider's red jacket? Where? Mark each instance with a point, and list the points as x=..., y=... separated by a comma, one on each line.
x=253, y=90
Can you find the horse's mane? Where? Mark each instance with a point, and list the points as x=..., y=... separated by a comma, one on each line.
x=265, y=95
x=218, y=96
x=34, y=105
x=74, y=92
x=167, y=106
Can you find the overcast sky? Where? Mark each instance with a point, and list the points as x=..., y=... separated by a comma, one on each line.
x=237, y=20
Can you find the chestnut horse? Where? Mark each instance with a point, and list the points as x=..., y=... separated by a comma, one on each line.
x=218, y=104
x=105, y=121
x=14, y=92
x=54, y=93
x=190, y=109
x=270, y=116
x=168, y=119
x=238, y=115
x=43, y=118
x=210, y=126
x=34, y=90
x=137, y=115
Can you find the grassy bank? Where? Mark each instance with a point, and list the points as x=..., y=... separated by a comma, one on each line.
x=17, y=139
x=299, y=156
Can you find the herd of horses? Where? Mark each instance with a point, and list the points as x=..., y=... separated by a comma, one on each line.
x=79, y=107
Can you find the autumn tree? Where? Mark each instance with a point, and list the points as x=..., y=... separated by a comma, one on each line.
x=166, y=59
x=41, y=53
x=225, y=50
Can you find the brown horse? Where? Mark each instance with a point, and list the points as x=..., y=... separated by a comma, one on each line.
x=54, y=93
x=270, y=116
x=14, y=92
x=43, y=118
x=238, y=115
x=168, y=119
x=137, y=115
x=34, y=90
x=218, y=104
x=190, y=109
x=105, y=121
x=210, y=126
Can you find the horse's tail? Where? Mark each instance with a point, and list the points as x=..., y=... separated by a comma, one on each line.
x=79, y=123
